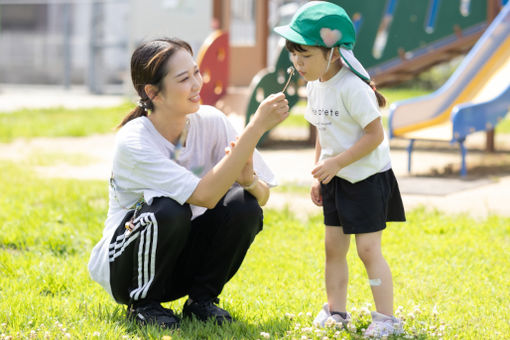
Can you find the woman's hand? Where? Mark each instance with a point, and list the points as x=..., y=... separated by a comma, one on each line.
x=247, y=174
x=315, y=193
x=248, y=180
x=238, y=165
x=271, y=111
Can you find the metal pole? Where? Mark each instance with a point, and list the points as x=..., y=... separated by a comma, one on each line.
x=96, y=50
x=67, y=45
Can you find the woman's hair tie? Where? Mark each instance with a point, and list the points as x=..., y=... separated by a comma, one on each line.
x=143, y=104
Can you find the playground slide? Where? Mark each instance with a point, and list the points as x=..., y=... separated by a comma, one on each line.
x=475, y=97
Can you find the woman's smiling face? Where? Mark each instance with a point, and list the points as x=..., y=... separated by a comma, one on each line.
x=180, y=88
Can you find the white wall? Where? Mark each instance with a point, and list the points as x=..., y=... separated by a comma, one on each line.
x=189, y=20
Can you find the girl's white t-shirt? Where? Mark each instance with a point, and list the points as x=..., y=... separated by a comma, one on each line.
x=341, y=108
x=147, y=165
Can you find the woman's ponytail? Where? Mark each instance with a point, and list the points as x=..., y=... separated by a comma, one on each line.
x=135, y=113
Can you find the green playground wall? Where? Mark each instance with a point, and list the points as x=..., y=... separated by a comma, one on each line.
x=407, y=30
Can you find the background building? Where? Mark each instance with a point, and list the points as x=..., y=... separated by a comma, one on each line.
x=89, y=42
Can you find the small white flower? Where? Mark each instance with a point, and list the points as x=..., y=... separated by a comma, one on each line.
x=96, y=333
x=351, y=327
x=365, y=310
x=265, y=335
x=290, y=315
x=308, y=314
x=330, y=322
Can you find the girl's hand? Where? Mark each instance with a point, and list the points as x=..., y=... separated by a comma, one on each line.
x=271, y=111
x=326, y=170
x=315, y=193
x=247, y=174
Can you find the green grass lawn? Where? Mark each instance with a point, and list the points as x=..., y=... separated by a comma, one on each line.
x=504, y=125
x=451, y=273
x=60, y=122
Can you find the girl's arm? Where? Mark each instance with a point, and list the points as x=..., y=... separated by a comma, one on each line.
x=315, y=191
x=273, y=110
x=318, y=149
x=374, y=135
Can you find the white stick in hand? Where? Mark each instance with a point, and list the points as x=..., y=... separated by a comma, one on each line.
x=290, y=71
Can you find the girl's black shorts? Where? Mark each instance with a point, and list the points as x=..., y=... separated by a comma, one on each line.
x=364, y=206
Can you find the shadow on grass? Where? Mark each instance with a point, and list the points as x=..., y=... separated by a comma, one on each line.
x=194, y=329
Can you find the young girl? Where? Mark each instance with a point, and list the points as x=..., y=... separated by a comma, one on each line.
x=353, y=179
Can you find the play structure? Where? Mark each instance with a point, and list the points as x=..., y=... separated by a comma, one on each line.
x=475, y=98
x=396, y=40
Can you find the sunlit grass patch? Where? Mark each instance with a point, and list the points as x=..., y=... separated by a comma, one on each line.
x=292, y=188
x=504, y=125
x=58, y=122
x=450, y=273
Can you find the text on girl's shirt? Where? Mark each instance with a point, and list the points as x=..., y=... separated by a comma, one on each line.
x=326, y=112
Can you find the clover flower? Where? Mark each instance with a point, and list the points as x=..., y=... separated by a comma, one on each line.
x=330, y=322
x=265, y=335
x=435, y=313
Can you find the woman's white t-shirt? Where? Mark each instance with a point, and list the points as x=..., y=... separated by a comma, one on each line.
x=341, y=108
x=147, y=165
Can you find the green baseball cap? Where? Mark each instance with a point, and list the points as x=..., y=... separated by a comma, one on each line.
x=322, y=23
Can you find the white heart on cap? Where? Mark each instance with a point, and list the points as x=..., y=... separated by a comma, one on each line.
x=330, y=37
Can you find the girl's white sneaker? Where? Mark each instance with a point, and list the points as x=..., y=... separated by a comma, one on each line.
x=325, y=319
x=383, y=325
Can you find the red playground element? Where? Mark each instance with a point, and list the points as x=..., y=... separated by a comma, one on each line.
x=213, y=61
